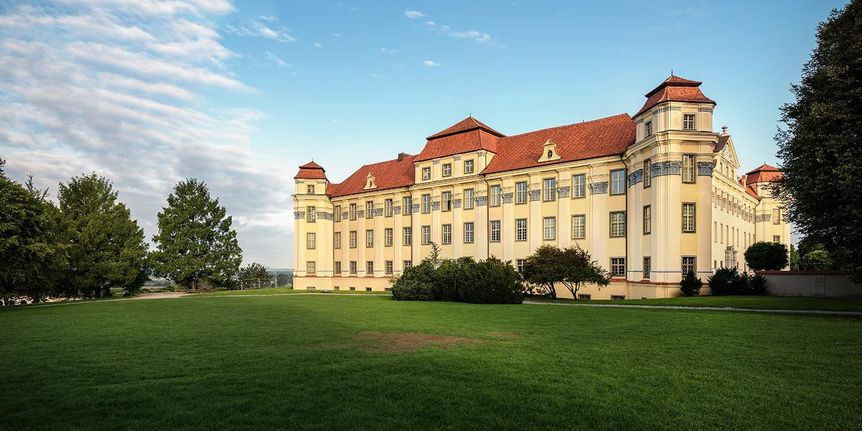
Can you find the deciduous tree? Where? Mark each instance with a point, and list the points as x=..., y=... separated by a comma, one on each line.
x=254, y=276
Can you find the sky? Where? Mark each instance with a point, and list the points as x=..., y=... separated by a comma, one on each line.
x=238, y=94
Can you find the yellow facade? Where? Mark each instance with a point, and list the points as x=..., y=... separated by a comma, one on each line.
x=670, y=201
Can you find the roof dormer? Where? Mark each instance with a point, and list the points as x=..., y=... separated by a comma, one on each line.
x=369, y=182
x=549, y=152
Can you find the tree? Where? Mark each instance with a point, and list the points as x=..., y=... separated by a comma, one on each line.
x=196, y=246
x=544, y=268
x=819, y=147
x=816, y=260
x=690, y=285
x=105, y=247
x=572, y=267
x=282, y=279
x=766, y=256
x=254, y=276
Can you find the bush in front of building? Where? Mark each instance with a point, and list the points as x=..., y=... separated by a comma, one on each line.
x=766, y=256
x=729, y=281
x=816, y=260
x=690, y=285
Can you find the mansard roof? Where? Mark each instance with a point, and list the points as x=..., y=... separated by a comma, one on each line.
x=464, y=136
x=387, y=175
x=763, y=173
x=311, y=171
x=675, y=89
x=465, y=125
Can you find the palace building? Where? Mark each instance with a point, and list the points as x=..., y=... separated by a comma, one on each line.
x=650, y=196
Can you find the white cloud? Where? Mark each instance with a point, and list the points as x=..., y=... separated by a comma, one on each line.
x=479, y=37
x=388, y=51
x=276, y=59
x=267, y=27
x=430, y=63
x=127, y=99
x=318, y=45
x=413, y=14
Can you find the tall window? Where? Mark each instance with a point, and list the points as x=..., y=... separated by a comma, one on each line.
x=549, y=228
x=426, y=204
x=579, y=226
x=647, y=219
x=426, y=174
x=408, y=236
x=521, y=192
x=688, y=168
x=468, y=232
x=495, y=230
x=776, y=216
x=549, y=189
x=387, y=208
x=647, y=173
x=310, y=214
x=447, y=170
x=387, y=237
x=389, y=267
x=309, y=189
x=468, y=166
x=618, y=224
x=352, y=239
x=618, y=182
x=495, y=195
x=369, y=268
x=648, y=128
x=689, y=264
x=352, y=211
x=521, y=229
x=407, y=205
x=469, y=199
x=311, y=240
x=688, y=121
x=353, y=267
x=618, y=266
x=369, y=238
x=446, y=201
x=369, y=209
x=519, y=264
x=446, y=234
x=311, y=267
x=337, y=213
x=337, y=268
x=408, y=264
x=426, y=235
x=688, y=219
x=579, y=185
x=776, y=238
x=336, y=240
x=647, y=265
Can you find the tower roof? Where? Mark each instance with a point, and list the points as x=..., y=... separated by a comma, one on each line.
x=762, y=174
x=464, y=136
x=675, y=89
x=465, y=125
x=311, y=171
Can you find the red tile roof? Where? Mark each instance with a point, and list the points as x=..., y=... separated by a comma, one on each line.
x=763, y=173
x=464, y=125
x=311, y=171
x=387, y=175
x=675, y=89
x=464, y=136
x=722, y=141
x=752, y=191
x=597, y=138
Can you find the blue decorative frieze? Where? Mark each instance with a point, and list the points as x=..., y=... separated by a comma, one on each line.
x=563, y=192
x=456, y=203
x=481, y=201
x=299, y=215
x=763, y=217
x=667, y=167
x=599, y=188
x=435, y=206
x=704, y=110
x=508, y=198
x=324, y=216
x=396, y=210
x=344, y=215
x=704, y=169
x=415, y=208
x=360, y=214
x=636, y=177
x=535, y=195
x=378, y=212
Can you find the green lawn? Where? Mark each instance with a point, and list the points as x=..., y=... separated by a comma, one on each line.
x=285, y=290
x=758, y=302
x=341, y=361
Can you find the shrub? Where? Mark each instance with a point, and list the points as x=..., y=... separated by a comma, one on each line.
x=769, y=256
x=725, y=281
x=690, y=285
x=756, y=285
x=462, y=280
x=817, y=260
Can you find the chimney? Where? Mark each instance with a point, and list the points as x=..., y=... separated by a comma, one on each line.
x=723, y=130
x=401, y=156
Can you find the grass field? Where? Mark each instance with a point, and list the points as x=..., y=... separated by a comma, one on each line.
x=351, y=361
x=756, y=302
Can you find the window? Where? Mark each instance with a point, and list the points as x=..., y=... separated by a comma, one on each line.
x=521, y=229
x=618, y=266
x=468, y=166
x=446, y=234
x=337, y=268
x=337, y=213
x=688, y=121
x=369, y=238
x=310, y=240
x=446, y=201
x=776, y=216
x=353, y=211
x=408, y=236
x=618, y=182
x=521, y=192
x=688, y=218
x=618, y=297
x=688, y=166
x=519, y=264
x=311, y=267
x=387, y=207
x=549, y=228
x=579, y=186
x=579, y=226
x=648, y=128
x=369, y=268
x=689, y=264
x=647, y=265
x=714, y=232
x=776, y=238
x=310, y=189
x=387, y=237
x=353, y=267
x=426, y=204
x=469, y=229
x=336, y=240
x=408, y=264
x=647, y=173
x=310, y=214
x=618, y=224
x=447, y=170
x=368, y=289
x=353, y=239
x=407, y=205
x=469, y=199
x=495, y=196
x=426, y=235
x=426, y=174
x=647, y=219
x=369, y=209
x=389, y=267
x=549, y=189
x=495, y=230
x=584, y=297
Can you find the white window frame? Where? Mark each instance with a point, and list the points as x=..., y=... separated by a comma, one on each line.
x=549, y=228
x=495, y=230
x=521, y=227
x=469, y=232
x=579, y=232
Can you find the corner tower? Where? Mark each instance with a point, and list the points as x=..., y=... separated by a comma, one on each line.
x=313, y=228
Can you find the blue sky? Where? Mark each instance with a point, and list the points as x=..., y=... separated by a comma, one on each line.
x=239, y=93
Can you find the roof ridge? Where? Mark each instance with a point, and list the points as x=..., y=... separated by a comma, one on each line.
x=570, y=124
